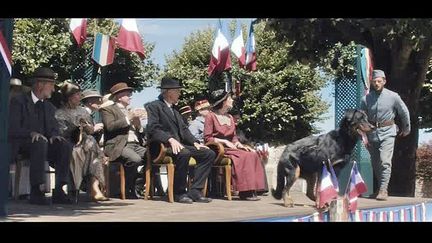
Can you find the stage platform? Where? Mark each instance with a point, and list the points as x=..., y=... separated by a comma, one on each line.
x=220, y=210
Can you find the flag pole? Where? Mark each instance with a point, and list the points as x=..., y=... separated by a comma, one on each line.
x=228, y=85
x=349, y=178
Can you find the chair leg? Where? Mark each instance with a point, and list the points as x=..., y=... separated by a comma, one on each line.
x=204, y=190
x=170, y=169
x=152, y=185
x=228, y=181
x=148, y=180
x=122, y=183
x=189, y=182
x=18, y=167
x=107, y=180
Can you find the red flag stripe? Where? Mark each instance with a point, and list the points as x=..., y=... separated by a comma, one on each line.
x=5, y=52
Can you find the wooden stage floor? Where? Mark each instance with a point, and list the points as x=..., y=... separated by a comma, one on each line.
x=159, y=210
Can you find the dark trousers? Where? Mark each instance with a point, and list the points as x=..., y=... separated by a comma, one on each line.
x=133, y=155
x=204, y=159
x=57, y=154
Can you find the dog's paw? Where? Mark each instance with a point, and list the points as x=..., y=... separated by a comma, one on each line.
x=288, y=202
x=276, y=194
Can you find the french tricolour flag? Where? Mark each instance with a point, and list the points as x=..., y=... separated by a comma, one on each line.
x=327, y=191
x=220, y=59
x=238, y=48
x=129, y=37
x=357, y=187
x=103, y=49
x=79, y=30
x=250, y=50
x=5, y=53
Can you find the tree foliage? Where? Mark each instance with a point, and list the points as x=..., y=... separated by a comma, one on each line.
x=280, y=101
x=400, y=47
x=48, y=42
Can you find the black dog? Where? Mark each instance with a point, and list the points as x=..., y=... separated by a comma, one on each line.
x=304, y=158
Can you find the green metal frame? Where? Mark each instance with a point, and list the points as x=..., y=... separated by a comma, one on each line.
x=348, y=94
x=88, y=75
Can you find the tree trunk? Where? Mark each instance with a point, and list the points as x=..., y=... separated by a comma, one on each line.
x=402, y=181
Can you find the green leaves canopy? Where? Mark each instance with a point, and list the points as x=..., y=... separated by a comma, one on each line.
x=48, y=42
x=281, y=99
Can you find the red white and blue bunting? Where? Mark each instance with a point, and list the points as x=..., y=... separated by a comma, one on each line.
x=412, y=213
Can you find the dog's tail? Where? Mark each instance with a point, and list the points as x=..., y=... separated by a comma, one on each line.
x=281, y=174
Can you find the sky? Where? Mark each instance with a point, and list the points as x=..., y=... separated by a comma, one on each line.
x=169, y=34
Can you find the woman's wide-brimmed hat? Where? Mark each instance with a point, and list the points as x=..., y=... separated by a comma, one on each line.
x=218, y=96
x=68, y=88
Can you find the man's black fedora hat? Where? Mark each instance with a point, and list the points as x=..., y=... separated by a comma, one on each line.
x=169, y=83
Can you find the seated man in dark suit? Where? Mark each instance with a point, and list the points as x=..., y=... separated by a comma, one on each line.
x=34, y=131
x=166, y=125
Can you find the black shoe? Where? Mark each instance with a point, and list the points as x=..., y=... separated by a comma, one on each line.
x=160, y=192
x=60, y=197
x=183, y=198
x=140, y=187
x=248, y=196
x=38, y=198
x=132, y=195
x=196, y=196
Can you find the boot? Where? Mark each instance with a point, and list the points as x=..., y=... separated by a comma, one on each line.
x=60, y=197
x=37, y=196
x=382, y=195
x=73, y=196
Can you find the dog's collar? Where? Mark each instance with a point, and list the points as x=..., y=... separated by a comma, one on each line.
x=337, y=162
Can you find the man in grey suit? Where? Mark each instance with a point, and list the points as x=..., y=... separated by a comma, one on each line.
x=382, y=106
x=34, y=132
x=166, y=125
x=124, y=135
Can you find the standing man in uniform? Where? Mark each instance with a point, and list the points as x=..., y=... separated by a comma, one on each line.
x=382, y=106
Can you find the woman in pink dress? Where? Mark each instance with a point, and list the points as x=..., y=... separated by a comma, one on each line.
x=219, y=126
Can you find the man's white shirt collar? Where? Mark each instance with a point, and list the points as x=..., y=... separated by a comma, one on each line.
x=35, y=98
x=168, y=104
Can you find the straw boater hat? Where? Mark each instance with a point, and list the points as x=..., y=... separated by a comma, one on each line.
x=201, y=104
x=15, y=81
x=185, y=110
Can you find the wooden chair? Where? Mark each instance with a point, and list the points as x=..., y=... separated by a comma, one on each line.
x=159, y=155
x=222, y=161
x=19, y=164
x=121, y=174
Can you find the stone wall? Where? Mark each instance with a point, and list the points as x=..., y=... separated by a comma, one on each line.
x=271, y=170
x=423, y=188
